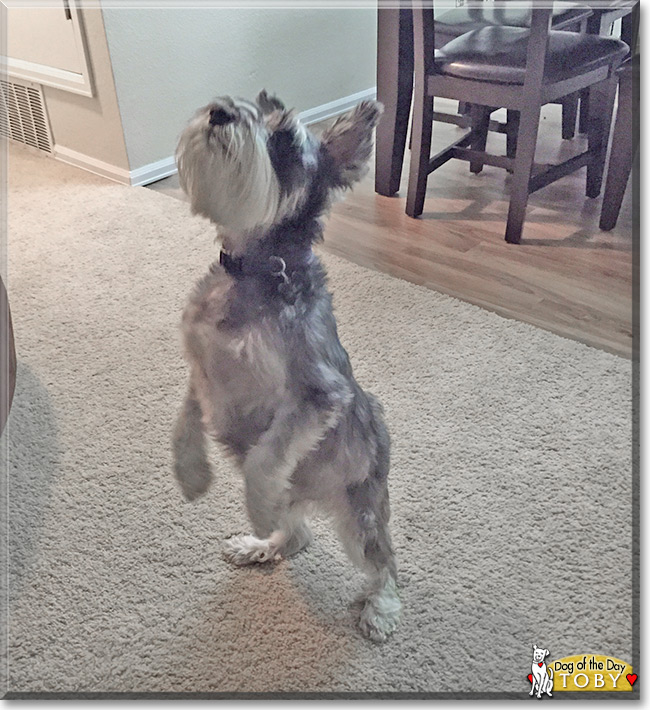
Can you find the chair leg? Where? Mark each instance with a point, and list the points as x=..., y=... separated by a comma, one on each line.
x=602, y=97
x=512, y=128
x=583, y=122
x=569, y=115
x=526, y=144
x=480, y=126
x=420, y=152
x=620, y=160
x=599, y=23
x=618, y=175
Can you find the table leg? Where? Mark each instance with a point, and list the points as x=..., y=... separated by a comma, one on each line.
x=394, y=90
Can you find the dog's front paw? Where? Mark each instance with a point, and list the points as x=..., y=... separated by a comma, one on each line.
x=250, y=550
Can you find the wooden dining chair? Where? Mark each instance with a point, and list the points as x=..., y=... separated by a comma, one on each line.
x=454, y=22
x=518, y=69
x=476, y=14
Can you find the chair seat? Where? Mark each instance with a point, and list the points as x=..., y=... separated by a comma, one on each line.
x=498, y=55
x=456, y=22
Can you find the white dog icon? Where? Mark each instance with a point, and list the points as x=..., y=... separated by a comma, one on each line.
x=541, y=678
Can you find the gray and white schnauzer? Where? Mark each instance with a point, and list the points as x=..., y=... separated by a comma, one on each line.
x=269, y=378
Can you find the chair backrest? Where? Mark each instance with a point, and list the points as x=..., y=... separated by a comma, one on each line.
x=424, y=42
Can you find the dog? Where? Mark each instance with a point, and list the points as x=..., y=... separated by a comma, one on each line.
x=269, y=378
x=542, y=681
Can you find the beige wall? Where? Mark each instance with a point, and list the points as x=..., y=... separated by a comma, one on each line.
x=168, y=62
x=90, y=125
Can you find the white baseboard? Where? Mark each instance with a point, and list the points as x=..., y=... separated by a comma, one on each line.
x=153, y=172
x=93, y=165
x=167, y=166
x=333, y=108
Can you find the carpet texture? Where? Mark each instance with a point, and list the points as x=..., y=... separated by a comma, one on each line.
x=511, y=479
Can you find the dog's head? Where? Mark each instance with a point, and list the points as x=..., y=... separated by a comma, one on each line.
x=539, y=654
x=249, y=166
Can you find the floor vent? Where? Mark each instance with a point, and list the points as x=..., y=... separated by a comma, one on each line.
x=22, y=115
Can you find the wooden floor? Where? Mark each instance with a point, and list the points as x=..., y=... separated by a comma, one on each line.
x=566, y=276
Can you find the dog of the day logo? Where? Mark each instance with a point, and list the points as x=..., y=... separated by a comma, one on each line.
x=584, y=672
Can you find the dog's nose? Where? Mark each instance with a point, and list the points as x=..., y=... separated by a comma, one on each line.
x=220, y=116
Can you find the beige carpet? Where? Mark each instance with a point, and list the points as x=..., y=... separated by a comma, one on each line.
x=511, y=479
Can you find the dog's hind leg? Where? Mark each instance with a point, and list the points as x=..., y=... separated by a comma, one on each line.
x=191, y=465
x=297, y=429
x=279, y=528
x=363, y=529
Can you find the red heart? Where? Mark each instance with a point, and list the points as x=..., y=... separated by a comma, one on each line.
x=631, y=678
x=541, y=664
x=530, y=677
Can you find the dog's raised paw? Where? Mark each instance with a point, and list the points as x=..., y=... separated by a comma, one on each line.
x=249, y=550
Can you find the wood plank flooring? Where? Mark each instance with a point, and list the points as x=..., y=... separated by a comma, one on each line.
x=566, y=276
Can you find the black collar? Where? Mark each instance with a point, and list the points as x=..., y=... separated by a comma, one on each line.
x=232, y=264
x=284, y=274
x=247, y=265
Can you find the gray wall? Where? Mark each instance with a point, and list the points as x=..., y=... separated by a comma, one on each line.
x=168, y=62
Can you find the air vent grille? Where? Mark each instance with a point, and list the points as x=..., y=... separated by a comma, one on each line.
x=22, y=115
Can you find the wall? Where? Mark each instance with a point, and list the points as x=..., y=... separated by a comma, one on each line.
x=90, y=126
x=168, y=62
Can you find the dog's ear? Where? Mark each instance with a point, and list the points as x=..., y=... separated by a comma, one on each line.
x=348, y=142
x=267, y=103
x=534, y=647
x=546, y=654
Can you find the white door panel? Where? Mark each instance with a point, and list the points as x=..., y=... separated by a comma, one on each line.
x=46, y=45
x=43, y=36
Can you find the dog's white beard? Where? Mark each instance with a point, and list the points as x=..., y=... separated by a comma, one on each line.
x=229, y=178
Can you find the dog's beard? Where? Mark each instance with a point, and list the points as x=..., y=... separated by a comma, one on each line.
x=228, y=175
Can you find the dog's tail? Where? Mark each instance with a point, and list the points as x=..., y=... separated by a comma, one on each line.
x=191, y=465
